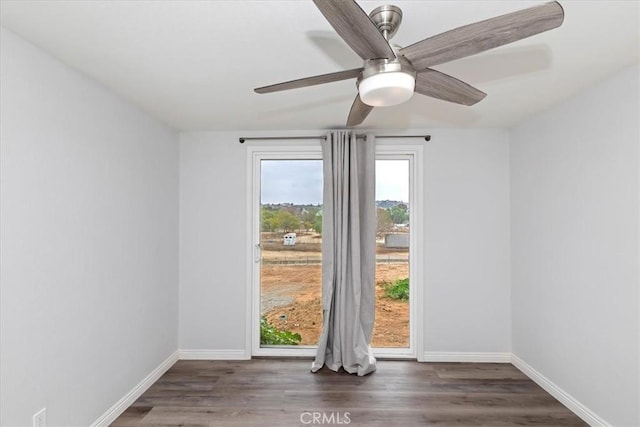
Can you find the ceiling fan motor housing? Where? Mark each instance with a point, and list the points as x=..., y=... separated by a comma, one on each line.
x=386, y=82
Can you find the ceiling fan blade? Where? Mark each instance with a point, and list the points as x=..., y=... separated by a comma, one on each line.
x=310, y=81
x=484, y=35
x=442, y=86
x=355, y=28
x=359, y=112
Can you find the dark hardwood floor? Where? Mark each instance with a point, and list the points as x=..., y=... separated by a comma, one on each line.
x=283, y=392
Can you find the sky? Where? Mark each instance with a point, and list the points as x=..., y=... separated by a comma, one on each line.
x=392, y=180
x=300, y=181
x=291, y=181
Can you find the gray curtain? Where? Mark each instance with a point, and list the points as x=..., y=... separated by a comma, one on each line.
x=348, y=254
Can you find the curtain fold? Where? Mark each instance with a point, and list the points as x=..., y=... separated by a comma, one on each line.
x=348, y=254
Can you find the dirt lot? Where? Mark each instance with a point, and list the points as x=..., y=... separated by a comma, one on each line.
x=292, y=300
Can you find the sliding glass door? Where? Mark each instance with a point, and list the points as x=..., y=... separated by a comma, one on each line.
x=286, y=242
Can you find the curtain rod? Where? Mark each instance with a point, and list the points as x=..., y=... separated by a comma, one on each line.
x=242, y=139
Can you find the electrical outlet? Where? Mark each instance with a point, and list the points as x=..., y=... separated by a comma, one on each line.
x=40, y=418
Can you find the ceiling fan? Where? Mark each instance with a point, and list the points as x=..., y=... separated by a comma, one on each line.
x=391, y=74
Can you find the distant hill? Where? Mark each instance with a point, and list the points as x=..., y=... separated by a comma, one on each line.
x=386, y=204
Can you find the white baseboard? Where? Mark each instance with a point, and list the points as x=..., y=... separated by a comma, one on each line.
x=565, y=398
x=214, y=355
x=463, y=356
x=121, y=405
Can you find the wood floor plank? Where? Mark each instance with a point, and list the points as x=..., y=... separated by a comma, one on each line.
x=283, y=392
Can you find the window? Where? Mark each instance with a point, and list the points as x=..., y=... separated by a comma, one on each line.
x=290, y=252
x=392, y=321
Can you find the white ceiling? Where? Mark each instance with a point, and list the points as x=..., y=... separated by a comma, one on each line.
x=194, y=64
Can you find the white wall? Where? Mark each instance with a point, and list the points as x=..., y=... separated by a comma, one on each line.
x=467, y=241
x=213, y=232
x=467, y=264
x=89, y=224
x=575, y=246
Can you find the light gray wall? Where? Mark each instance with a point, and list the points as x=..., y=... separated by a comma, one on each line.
x=467, y=263
x=213, y=230
x=89, y=242
x=466, y=192
x=575, y=246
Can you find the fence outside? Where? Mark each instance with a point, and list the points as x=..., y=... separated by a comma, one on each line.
x=380, y=259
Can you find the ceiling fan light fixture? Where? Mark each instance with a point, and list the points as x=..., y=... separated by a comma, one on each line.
x=387, y=89
x=384, y=83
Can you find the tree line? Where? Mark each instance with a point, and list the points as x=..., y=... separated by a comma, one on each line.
x=387, y=218
x=292, y=218
x=287, y=219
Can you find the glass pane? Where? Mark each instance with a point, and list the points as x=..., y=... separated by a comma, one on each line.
x=290, y=237
x=391, y=327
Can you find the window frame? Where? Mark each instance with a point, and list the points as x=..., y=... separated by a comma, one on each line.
x=388, y=149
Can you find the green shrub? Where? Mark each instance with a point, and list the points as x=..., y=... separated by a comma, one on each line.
x=270, y=335
x=398, y=290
